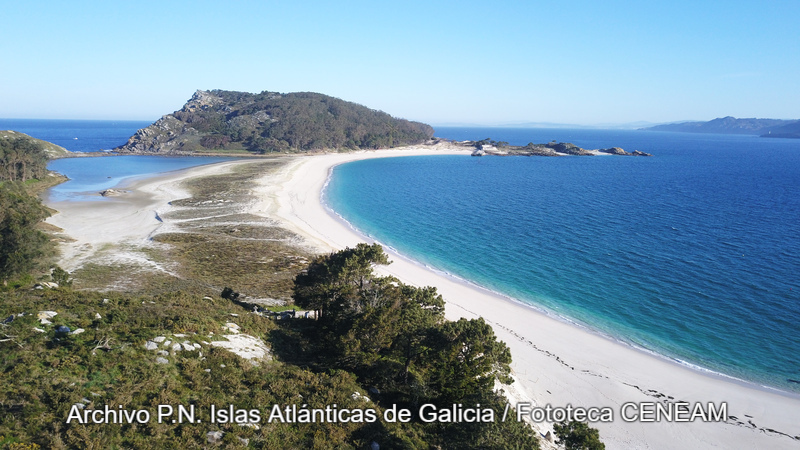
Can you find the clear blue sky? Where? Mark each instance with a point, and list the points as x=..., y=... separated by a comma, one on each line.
x=480, y=62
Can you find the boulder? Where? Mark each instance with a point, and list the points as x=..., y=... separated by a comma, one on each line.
x=45, y=316
x=214, y=437
x=111, y=192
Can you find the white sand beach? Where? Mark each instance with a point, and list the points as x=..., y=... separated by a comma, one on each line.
x=555, y=363
x=105, y=229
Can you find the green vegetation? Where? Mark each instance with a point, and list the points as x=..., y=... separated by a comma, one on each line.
x=23, y=163
x=377, y=344
x=578, y=436
x=21, y=158
x=390, y=346
x=230, y=122
x=21, y=243
x=45, y=374
x=393, y=337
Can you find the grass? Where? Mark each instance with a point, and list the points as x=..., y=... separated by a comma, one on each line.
x=42, y=375
x=219, y=245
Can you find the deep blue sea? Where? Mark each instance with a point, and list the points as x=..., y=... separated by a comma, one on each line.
x=693, y=254
x=88, y=176
x=77, y=135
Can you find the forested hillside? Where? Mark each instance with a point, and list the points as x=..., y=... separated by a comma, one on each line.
x=23, y=164
x=21, y=157
x=228, y=121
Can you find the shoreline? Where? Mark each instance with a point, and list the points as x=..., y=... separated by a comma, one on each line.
x=94, y=225
x=556, y=362
x=569, y=321
x=539, y=309
x=596, y=370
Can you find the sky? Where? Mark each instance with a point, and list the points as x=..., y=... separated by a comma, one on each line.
x=439, y=62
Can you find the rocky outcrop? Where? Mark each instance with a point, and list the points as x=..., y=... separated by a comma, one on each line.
x=614, y=151
x=621, y=152
x=166, y=135
x=112, y=192
x=568, y=149
x=550, y=149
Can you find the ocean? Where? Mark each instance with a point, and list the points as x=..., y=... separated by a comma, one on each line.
x=693, y=254
x=77, y=135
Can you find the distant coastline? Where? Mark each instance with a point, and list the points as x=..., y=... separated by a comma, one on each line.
x=774, y=128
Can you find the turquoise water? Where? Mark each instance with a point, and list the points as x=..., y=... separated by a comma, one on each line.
x=693, y=253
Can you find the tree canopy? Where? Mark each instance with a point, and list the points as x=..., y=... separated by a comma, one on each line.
x=576, y=435
x=21, y=159
x=21, y=244
x=394, y=337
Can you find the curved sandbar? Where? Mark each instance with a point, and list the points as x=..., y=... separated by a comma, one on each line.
x=555, y=363
x=128, y=218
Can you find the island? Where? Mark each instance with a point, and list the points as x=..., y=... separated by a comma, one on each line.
x=500, y=148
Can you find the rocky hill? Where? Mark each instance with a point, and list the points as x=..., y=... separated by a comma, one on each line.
x=727, y=125
x=227, y=121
